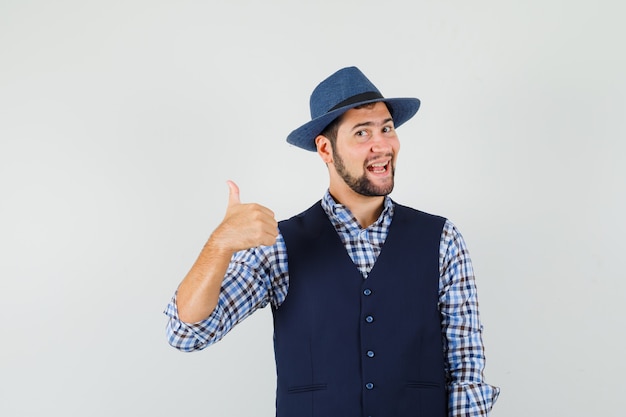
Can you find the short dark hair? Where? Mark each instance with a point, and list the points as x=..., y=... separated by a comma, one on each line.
x=330, y=131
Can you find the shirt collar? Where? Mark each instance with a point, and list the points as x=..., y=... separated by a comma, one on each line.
x=341, y=216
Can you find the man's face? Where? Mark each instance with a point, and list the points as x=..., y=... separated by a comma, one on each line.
x=364, y=154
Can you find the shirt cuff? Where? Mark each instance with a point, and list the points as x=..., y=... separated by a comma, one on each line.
x=191, y=336
x=472, y=400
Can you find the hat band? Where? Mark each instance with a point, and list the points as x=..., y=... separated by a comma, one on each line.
x=370, y=95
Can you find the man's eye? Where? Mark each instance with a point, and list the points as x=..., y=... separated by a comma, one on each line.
x=387, y=129
x=361, y=133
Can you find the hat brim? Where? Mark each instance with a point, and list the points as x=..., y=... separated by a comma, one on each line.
x=304, y=137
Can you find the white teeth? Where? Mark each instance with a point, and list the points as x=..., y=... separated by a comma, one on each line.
x=379, y=167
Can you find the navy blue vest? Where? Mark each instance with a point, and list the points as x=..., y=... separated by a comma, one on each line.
x=352, y=347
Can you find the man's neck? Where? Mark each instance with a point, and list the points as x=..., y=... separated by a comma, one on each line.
x=365, y=209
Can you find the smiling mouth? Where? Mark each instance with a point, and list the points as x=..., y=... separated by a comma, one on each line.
x=379, y=167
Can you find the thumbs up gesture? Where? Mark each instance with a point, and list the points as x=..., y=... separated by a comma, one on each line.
x=245, y=225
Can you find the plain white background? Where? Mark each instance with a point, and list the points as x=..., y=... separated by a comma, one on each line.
x=121, y=121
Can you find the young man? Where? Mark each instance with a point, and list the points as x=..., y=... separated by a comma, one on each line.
x=375, y=307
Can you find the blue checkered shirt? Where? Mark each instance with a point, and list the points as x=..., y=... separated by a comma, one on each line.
x=258, y=276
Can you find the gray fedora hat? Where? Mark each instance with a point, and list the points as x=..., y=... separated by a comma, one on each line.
x=342, y=91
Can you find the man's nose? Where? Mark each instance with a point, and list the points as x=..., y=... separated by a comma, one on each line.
x=380, y=143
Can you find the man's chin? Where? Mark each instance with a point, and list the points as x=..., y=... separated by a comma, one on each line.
x=382, y=187
x=372, y=190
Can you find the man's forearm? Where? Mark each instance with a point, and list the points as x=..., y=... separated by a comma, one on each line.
x=198, y=293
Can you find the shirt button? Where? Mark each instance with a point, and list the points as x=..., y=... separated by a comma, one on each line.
x=370, y=353
x=369, y=385
x=367, y=291
x=369, y=319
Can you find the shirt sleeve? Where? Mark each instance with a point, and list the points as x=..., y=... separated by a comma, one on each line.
x=468, y=394
x=254, y=278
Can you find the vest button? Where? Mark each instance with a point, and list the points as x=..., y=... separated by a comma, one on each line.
x=369, y=385
x=367, y=291
x=369, y=319
x=370, y=353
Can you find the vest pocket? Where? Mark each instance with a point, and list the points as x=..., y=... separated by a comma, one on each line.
x=420, y=384
x=305, y=388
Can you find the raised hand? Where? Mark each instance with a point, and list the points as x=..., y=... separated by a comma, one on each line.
x=245, y=225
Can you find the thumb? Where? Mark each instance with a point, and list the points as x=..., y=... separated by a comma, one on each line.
x=233, y=195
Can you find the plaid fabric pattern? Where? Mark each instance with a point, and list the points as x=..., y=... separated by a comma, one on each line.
x=468, y=395
x=363, y=245
x=258, y=276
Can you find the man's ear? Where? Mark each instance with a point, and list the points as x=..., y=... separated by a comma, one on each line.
x=324, y=148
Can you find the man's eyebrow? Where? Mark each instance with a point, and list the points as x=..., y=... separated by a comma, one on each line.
x=370, y=123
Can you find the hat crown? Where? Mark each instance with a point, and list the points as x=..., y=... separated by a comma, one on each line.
x=339, y=88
